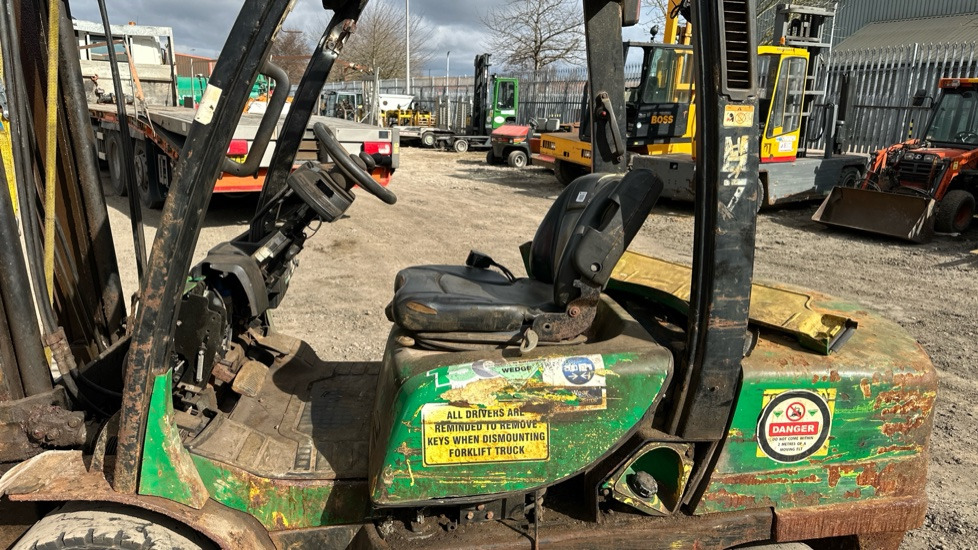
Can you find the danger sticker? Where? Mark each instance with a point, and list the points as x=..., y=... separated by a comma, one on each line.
x=738, y=116
x=795, y=424
x=466, y=435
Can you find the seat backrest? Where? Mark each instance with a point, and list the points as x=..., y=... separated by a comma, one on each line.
x=588, y=228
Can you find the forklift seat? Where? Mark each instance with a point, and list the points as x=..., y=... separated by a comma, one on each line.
x=577, y=245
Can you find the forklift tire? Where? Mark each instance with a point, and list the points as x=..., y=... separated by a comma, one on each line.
x=151, y=193
x=567, y=172
x=102, y=525
x=955, y=212
x=428, y=139
x=461, y=145
x=516, y=159
x=491, y=159
x=850, y=177
x=113, y=157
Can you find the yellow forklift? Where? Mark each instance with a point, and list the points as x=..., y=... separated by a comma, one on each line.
x=659, y=109
x=789, y=107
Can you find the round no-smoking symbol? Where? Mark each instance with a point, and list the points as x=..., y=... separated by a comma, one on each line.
x=795, y=411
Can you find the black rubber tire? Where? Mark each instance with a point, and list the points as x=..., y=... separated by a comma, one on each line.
x=850, y=177
x=428, y=139
x=761, y=194
x=566, y=172
x=491, y=159
x=517, y=159
x=955, y=212
x=113, y=157
x=460, y=145
x=92, y=526
x=151, y=193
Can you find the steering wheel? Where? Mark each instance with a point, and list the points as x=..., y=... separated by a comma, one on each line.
x=967, y=137
x=348, y=167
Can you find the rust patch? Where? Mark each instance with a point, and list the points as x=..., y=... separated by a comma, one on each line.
x=893, y=428
x=754, y=479
x=801, y=498
x=835, y=473
x=882, y=515
x=904, y=402
x=854, y=494
x=59, y=476
x=481, y=392
x=734, y=501
x=897, y=448
x=866, y=388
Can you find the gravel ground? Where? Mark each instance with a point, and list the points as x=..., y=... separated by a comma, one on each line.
x=449, y=203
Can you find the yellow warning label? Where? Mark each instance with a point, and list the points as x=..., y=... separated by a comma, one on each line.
x=464, y=435
x=738, y=116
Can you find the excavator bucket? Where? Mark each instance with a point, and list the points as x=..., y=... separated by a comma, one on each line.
x=909, y=217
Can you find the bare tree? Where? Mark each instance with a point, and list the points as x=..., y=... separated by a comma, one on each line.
x=379, y=42
x=291, y=52
x=658, y=14
x=534, y=34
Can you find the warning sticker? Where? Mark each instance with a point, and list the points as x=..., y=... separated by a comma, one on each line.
x=795, y=424
x=465, y=435
x=738, y=116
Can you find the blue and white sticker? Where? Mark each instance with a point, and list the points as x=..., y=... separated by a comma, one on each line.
x=583, y=371
x=578, y=370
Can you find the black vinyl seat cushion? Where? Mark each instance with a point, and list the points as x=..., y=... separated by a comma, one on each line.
x=578, y=243
x=440, y=298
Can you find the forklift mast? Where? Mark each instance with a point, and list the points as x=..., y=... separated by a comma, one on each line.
x=809, y=28
x=726, y=193
x=480, y=97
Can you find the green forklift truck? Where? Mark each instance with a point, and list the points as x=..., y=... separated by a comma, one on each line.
x=605, y=399
x=495, y=102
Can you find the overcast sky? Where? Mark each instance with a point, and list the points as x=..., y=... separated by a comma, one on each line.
x=201, y=26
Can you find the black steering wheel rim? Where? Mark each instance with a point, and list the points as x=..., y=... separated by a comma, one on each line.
x=349, y=168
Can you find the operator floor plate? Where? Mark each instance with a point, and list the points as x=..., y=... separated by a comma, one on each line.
x=310, y=420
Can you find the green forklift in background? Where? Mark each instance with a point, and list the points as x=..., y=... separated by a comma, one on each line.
x=495, y=102
x=607, y=399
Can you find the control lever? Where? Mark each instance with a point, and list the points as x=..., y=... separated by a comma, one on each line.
x=608, y=112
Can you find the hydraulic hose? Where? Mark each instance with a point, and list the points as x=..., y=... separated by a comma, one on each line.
x=50, y=149
x=23, y=148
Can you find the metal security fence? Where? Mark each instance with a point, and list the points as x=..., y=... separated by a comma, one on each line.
x=882, y=84
x=549, y=94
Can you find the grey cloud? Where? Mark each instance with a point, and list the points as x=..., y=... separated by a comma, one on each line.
x=202, y=25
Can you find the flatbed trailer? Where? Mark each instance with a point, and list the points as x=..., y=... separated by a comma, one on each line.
x=446, y=139
x=159, y=138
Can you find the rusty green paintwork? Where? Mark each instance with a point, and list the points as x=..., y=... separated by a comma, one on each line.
x=576, y=439
x=884, y=392
x=281, y=504
x=885, y=387
x=167, y=470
